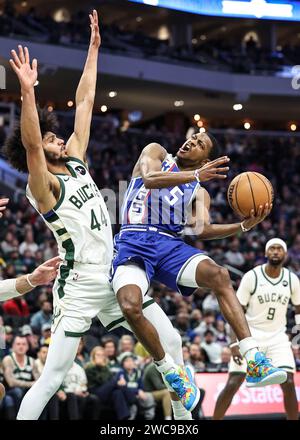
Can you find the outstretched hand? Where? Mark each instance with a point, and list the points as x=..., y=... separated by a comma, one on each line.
x=46, y=272
x=213, y=169
x=254, y=219
x=26, y=73
x=95, y=34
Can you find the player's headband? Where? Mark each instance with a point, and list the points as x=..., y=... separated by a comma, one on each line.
x=276, y=241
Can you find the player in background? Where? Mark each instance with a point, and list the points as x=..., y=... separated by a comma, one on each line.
x=264, y=293
x=63, y=192
x=149, y=245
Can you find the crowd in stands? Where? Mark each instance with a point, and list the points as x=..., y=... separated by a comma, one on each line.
x=113, y=375
x=225, y=54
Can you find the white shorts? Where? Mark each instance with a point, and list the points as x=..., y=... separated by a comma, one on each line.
x=278, y=350
x=80, y=294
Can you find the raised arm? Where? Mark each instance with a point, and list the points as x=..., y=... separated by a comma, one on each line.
x=150, y=169
x=39, y=177
x=216, y=231
x=85, y=95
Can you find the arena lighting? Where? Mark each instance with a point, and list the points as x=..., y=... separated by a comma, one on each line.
x=139, y=19
x=70, y=103
x=261, y=9
x=104, y=108
x=202, y=130
x=197, y=117
x=112, y=94
x=50, y=108
x=293, y=127
x=178, y=103
x=202, y=37
x=237, y=107
x=257, y=8
x=247, y=125
x=200, y=123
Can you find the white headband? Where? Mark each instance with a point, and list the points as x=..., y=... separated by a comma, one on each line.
x=275, y=241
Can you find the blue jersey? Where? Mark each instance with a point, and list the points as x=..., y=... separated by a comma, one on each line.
x=166, y=208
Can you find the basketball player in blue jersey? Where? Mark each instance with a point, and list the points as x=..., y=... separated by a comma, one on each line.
x=163, y=193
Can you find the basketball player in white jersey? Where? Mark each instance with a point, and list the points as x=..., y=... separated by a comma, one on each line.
x=61, y=189
x=264, y=293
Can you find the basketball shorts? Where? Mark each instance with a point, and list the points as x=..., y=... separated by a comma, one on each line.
x=163, y=257
x=278, y=349
x=82, y=293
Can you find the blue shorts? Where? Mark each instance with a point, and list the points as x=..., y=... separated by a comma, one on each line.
x=163, y=257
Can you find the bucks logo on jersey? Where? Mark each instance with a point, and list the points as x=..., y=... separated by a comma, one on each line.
x=269, y=299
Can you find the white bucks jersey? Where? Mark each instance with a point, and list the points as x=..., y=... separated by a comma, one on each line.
x=79, y=221
x=267, y=299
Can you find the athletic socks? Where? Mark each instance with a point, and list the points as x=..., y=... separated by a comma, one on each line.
x=179, y=412
x=165, y=364
x=248, y=348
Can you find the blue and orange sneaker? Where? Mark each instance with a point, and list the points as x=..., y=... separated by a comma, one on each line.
x=181, y=382
x=261, y=372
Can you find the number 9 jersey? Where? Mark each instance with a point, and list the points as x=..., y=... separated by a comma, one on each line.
x=267, y=300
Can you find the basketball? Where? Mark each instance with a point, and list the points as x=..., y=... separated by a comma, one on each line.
x=248, y=191
x=2, y=392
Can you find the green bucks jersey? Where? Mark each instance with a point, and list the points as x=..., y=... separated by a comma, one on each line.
x=79, y=221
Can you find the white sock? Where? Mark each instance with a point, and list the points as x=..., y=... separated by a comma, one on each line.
x=248, y=348
x=179, y=411
x=165, y=364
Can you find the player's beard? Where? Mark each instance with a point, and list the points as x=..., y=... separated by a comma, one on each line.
x=276, y=263
x=53, y=160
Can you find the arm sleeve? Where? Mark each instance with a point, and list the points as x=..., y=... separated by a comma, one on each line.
x=246, y=288
x=8, y=289
x=295, y=290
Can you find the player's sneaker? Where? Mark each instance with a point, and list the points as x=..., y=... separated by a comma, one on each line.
x=261, y=372
x=181, y=382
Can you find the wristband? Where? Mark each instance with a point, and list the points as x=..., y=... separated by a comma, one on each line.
x=197, y=175
x=29, y=282
x=234, y=344
x=243, y=228
x=297, y=319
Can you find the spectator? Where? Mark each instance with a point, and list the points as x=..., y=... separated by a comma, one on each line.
x=44, y=316
x=19, y=371
x=106, y=385
x=82, y=357
x=233, y=256
x=28, y=244
x=211, y=347
x=207, y=324
x=154, y=384
x=210, y=303
x=84, y=405
x=110, y=350
x=135, y=394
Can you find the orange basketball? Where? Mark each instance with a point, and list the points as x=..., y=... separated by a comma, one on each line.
x=248, y=191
